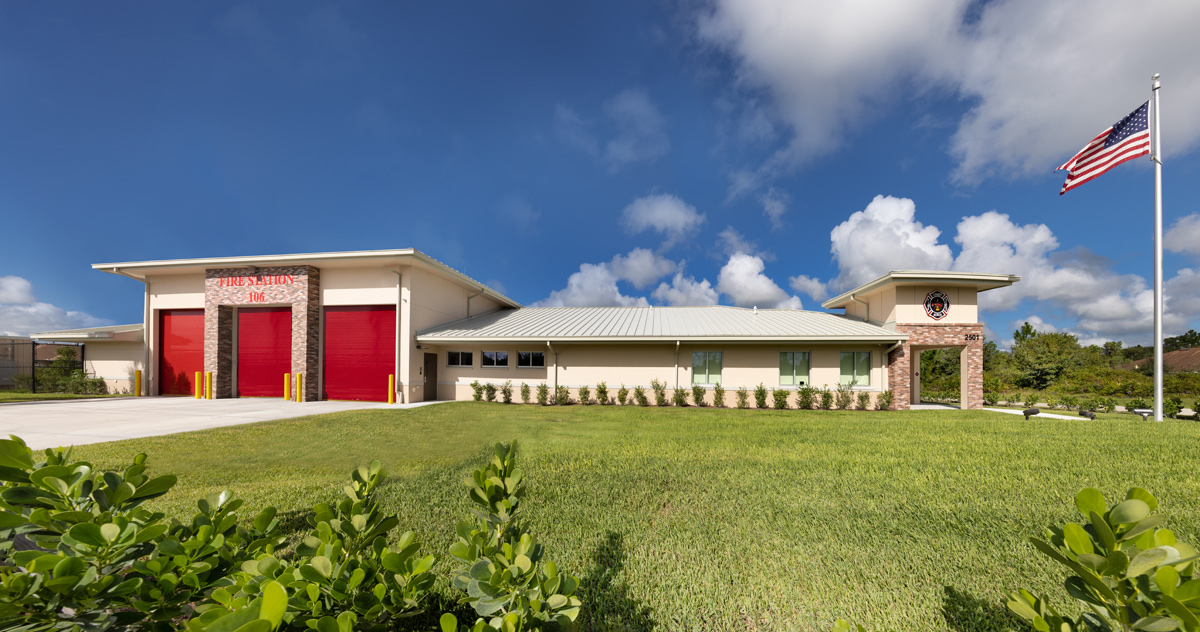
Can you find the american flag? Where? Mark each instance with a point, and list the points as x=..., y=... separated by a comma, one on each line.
x=1129, y=138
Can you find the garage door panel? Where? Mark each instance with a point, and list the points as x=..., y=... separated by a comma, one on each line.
x=180, y=350
x=360, y=351
x=264, y=350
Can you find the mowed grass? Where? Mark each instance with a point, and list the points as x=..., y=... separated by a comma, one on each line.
x=703, y=519
x=9, y=396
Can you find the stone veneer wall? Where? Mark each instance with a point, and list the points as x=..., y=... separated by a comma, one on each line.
x=302, y=294
x=940, y=335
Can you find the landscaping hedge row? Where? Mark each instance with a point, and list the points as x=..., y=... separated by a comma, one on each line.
x=844, y=397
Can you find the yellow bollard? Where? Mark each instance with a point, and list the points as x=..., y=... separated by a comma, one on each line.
x=392, y=389
x=199, y=386
x=137, y=383
x=287, y=386
x=208, y=385
x=299, y=387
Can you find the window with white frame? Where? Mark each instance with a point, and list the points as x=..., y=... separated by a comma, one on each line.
x=793, y=368
x=531, y=359
x=460, y=358
x=856, y=368
x=706, y=367
x=495, y=359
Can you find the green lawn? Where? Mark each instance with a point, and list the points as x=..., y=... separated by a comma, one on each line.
x=9, y=396
x=702, y=519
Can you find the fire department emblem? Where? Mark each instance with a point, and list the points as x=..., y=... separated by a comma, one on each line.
x=937, y=305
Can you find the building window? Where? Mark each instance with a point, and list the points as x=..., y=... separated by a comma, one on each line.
x=793, y=368
x=856, y=368
x=460, y=358
x=531, y=359
x=706, y=367
x=495, y=358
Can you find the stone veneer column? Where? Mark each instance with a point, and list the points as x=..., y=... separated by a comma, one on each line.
x=935, y=335
x=266, y=288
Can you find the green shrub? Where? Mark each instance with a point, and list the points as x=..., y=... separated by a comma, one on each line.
x=1172, y=406
x=826, y=399
x=660, y=392
x=698, y=396
x=780, y=398
x=562, y=396
x=1069, y=402
x=991, y=399
x=1014, y=399
x=679, y=397
x=506, y=392
x=602, y=394
x=805, y=397
x=760, y=396
x=743, y=398
x=885, y=400
x=1138, y=402
x=585, y=395
x=477, y=389
x=845, y=395
x=489, y=391
x=1051, y=402
x=719, y=396
x=1108, y=404
x=639, y=396
x=525, y=393
x=1123, y=571
x=623, y=395
x=502, y=573
x=864, y=401
x=543, y=394
x=1031, y=400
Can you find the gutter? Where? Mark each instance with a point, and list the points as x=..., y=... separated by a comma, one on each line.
x=866, y=307
x=482, y=289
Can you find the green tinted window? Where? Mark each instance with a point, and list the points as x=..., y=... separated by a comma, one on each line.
x=856, y=368
x=793, y=368
x=706, y=367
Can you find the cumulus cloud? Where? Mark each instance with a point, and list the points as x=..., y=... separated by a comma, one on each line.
x=640, y=130
x=732, y=242
x=641, y=267
x=774, y=204
x=22, y=314
x=1184, y=235
x=817, y=289
x=743, y=281
x=575, y=131
x=665, y=214
x=686, y=291
x=883, y=237
x=594, y=285
x=825, y=69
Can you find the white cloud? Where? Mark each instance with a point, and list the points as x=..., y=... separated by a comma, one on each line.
x=520, y=211
x=686, y=291
x=1184, y=235
x=826, y=68
x=732, y=242
x=22, y=314
x=774, y=204
x=593, y=286
x=883, y=237
x=575, y=131
x=641, y=267
x=743, y=281
x=640, y=130
x=815, y=288
x=666, y=214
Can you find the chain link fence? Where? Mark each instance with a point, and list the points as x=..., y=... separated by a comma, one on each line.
x=44, y=367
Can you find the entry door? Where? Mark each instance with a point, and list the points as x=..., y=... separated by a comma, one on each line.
x=430, y=375
x=264, y=350
x=180, y=350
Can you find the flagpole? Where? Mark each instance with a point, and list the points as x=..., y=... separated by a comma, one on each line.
x=1156, y=156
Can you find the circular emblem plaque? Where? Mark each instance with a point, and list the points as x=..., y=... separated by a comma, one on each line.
x=937, y=305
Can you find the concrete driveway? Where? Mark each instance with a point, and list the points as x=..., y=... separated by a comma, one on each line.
x=63, y=423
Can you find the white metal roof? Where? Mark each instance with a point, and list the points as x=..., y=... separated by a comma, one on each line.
x=981, y=281
x=92, y=333
x=651, y=324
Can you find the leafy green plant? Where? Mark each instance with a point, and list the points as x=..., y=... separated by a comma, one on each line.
x=1051, y=402
x=779, y=398
x=805, y=397
x=502, y=572
x=622, y=395
x=562, y=396
x=489, y=391
x=602, y=394
x=639, y=396
x=1173, y=406
x=679, y=397
x=1108, y=404
x=884, y=401
x=991, y=399
x=743, y=398
x=864, y=400
x=1127, y=573
x=698, y=396
x=719, y=396
x=525, y=393
x=1031, y=400
x=1069, y=402
x=844, y=396
x=660, y=392
x=543, y=394
x=826, y=399
x=506, y=391
x=585, y=395
x=477, y=390
x=1014, y=399
x=841, y=625
x=760, y=396
x=1136, y=403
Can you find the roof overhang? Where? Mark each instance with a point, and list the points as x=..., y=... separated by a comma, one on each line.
x=898, y=337
x=140, y=269
x=978, y=280
x=119, y=333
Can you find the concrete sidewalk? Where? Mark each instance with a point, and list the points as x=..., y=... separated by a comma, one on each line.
x=78, y=422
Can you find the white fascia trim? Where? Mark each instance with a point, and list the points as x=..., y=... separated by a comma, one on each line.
x=984, y=281
x=658, y=339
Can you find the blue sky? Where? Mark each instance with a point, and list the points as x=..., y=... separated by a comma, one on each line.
x=760, y=152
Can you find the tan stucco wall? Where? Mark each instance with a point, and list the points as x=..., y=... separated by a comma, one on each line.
x=374, y=285
x=910, y=304
x=114, y=361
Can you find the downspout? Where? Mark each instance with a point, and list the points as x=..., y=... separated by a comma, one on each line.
x=145, y=329
x=554, y=353
x=676, y=365
x=866, y=308
x=481, y=291
x=399, y=300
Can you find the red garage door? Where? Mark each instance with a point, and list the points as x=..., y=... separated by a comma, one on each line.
x=360, y=351
x=264, y=350
x=180, y=350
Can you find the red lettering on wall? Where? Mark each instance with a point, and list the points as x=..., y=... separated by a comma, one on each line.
x=276, y=279
x=258, y=297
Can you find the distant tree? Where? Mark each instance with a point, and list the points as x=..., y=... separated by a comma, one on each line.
x=1186, y=341
x=1024, y=333
x=1040, y=359
x=993, y=357
x=1113, y=351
